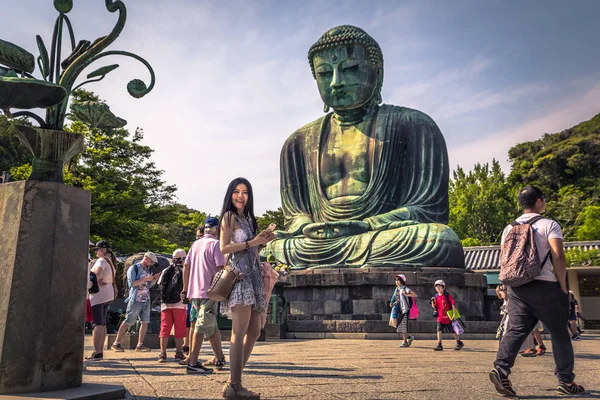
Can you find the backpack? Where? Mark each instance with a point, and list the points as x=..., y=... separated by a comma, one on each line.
x=171, y=285
x=519, y=260
x=126, y=281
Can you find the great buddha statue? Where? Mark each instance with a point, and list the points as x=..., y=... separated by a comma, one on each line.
x=367, y=184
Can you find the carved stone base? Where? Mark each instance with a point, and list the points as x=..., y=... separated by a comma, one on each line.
x=43, y=272
x=357, y=300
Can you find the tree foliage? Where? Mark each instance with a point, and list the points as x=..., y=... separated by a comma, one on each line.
x=271, y=217
x=12, y=152
x=565, y=166
x=481, y=203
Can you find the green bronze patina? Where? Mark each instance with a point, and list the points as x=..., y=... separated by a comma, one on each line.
x=366, y=185
x=51, y=146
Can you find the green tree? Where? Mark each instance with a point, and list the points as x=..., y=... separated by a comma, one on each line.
x=590, y=224
x=481, y=204
x=271, y=217
x=12, y=152
x=565, y=166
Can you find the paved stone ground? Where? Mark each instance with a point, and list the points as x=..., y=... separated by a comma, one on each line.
x=349, y=369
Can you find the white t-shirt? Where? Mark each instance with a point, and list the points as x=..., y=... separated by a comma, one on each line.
x=544, y=230
x=103, y=271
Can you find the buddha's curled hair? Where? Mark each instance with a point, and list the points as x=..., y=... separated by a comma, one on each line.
x=346, y=35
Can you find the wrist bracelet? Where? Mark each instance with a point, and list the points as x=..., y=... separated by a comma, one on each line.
x=247, y=246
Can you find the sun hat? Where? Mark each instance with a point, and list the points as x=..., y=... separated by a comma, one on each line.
x=151, y=256
x=440, y=282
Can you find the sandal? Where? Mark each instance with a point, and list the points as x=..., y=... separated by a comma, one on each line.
x=95, y=356
x=229, y=392
x=218, y=364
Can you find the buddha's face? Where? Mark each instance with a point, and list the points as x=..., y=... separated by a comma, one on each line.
x=345, y=77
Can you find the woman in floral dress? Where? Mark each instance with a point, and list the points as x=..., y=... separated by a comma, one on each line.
x=238, y=237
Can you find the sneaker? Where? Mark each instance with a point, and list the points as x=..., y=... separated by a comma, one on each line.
x=569, y=388
x=410, y=340
x=117, y=347
x=502, y=383
x=404, y=344
x=576, y=337
x=459, y=345
x=186, y=350
x=162, y=358
x=541, y=350
x=142, y=347
x=179, y=356
x=198, y=369
x=95, y=357
x=439, y=347
x=529, y=353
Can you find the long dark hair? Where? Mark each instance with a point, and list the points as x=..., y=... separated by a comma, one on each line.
x=229, y=206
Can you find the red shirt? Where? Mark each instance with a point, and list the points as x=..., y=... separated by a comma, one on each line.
x=443, y=307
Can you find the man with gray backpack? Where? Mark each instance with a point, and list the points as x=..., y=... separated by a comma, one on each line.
x=533, y=267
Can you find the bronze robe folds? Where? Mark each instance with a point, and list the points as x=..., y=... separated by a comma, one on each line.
x=405, y=203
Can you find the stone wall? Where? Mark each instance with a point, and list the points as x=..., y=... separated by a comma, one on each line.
x=357, y=300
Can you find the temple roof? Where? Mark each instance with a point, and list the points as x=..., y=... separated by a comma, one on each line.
x=487, y=258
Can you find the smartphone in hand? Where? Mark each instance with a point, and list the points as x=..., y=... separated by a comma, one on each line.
x=271, y=227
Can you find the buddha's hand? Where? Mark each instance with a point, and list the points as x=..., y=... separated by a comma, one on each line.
x=397, y=218
x=332, y=230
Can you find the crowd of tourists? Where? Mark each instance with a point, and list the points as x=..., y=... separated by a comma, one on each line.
x=187, y=310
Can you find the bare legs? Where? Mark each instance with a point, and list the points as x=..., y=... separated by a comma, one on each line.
x=245, y=331
x=123, y=328
x=178, y=344
x=98, y=337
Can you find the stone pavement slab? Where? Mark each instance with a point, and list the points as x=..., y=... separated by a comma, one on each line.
x=349, y=369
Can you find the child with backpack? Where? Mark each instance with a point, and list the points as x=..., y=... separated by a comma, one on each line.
x=442, y=303
x=173, y=310
x=401, y=303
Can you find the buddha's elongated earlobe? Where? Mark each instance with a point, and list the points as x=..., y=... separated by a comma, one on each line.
x=325, y=108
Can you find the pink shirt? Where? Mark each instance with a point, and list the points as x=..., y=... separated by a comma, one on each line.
x=204, y=258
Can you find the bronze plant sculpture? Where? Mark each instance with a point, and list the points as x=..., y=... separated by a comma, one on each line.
x=49, y=143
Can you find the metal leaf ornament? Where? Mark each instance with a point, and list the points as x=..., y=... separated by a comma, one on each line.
x=96, y=115
x=63, y=6
x=16, y=57
x=102, y=71
x=26, y=93
x=43, y=60
x=137, y=88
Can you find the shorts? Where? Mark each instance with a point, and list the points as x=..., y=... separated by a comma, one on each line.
x=207, y=310
x=444, y=328
x=402, y=324
x=191, y=316
x=137, y=309
x=572, y=316
x=170, y=317
x=99, y=312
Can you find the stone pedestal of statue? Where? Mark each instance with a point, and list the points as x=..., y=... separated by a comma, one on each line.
x=324, y=303
x=44, y=229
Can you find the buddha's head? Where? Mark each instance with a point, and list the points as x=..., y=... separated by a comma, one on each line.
x=347, y=64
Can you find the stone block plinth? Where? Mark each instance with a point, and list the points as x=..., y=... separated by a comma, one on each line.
x=357, y=299
x=44, y=230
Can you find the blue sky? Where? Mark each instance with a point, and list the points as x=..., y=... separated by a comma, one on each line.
x=233, y=81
